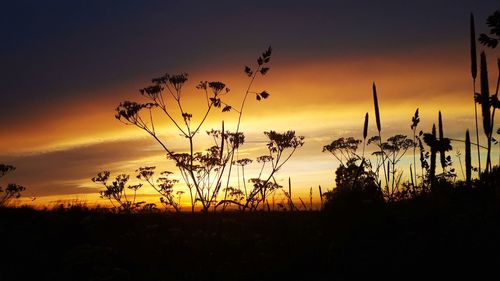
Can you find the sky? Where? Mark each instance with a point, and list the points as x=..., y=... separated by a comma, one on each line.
x=66, y=65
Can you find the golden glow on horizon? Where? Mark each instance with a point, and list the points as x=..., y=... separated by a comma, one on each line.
x=322, y=99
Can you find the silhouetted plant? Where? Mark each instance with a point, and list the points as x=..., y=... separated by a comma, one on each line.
x=278, y=144
x=353, y=182
x=263, y=187
x=379, y=129
x=437, y=145
x=497, y=142
x=414, y=124
x=487, y=103
x=264, y=159
x=484, y=100
x=320, y=196
x=348, y=195
x=5, y=169
x=468, y=161
x=442, y=153
x=116, y=191
x=344, y=149
x=458, y=154
x=424, y=161
x=365, y=134
x=473, y=57
x=242, y=163
x=288, y=196
x=431, y=141
x=12, y=191
x=163, y=185
x=202, y=172
x=493, y=21
x=495, y=104
x=262, y=68
x=394, y=149
x=149, y=208
x=389, y=155
x=236, y=195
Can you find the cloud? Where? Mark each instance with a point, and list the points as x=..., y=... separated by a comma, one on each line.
x=70, y=171
x=75, y=49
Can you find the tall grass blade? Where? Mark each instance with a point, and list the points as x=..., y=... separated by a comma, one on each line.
x=365, y=134
x=388, y=171
x=320, y=195
x=411, y=177
x=379, y=128
x=473, y=58
x=485, y=95
x=473, y=55
x=365, y=127
x=468, y=161
x=311, y=199
x=485, y=105
x=441, y=137
x=377, y=112
x=222, y=142
x=432, y=172
x=414, y=124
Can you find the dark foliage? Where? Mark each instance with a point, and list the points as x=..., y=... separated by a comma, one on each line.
x=12, y=191
x=493, y=23
x=355, y=186
x=442, y=237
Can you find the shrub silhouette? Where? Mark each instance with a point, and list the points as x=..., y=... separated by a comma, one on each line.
x=116, y=191
x=12, y=191
x=355, y=183
x=163, y=185
x=281, y=147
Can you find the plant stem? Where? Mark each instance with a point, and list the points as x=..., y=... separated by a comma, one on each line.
x=477, y=130
x=237, y=131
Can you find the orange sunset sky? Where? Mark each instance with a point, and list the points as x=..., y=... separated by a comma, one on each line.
x=64, y=76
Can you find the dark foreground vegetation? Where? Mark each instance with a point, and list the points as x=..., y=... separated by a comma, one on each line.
x=438, y=236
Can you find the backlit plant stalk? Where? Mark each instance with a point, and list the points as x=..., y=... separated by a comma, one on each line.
x=379, y=128
x=365, y=134
x=432, y=172
x=414, y=123
x=261, y=62
x=485, y=106
x=468, y=162
x=262, y=188
x=201, y=171
x=473, y=57
x=495, y=104
x=442, y=154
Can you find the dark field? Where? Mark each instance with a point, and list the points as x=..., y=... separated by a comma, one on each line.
x=428, y=238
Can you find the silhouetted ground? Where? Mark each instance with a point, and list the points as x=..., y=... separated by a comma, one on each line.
x=426, y=239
